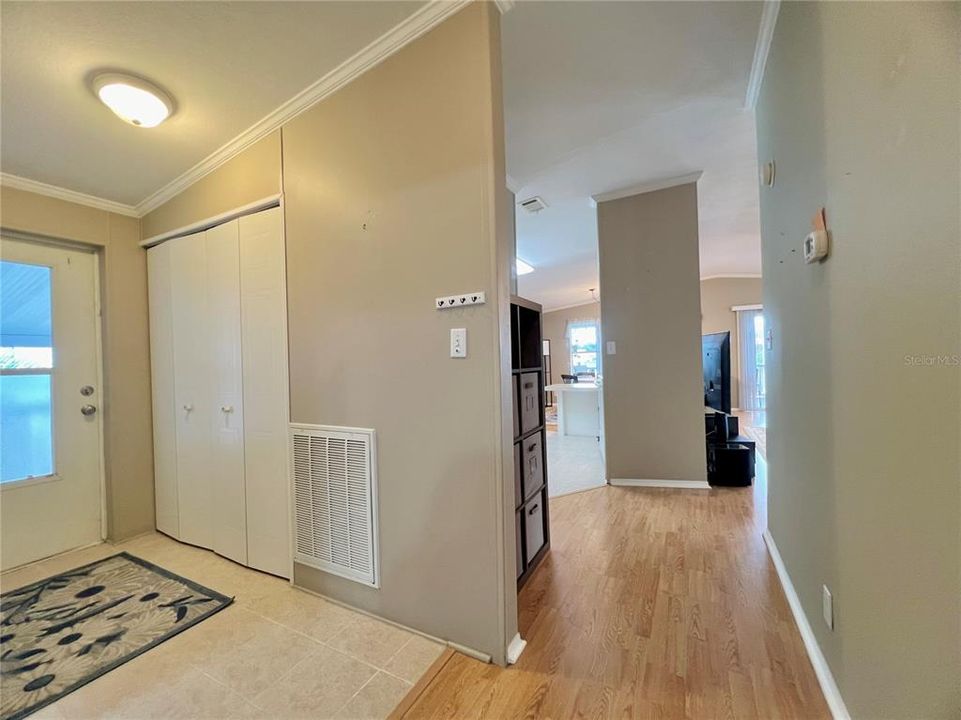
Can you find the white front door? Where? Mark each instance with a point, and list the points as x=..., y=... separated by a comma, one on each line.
x=50, y=428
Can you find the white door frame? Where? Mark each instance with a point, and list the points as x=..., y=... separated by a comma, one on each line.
x=97, y=251
x=98, y=331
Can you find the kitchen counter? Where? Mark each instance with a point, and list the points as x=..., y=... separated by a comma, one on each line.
x=578, y=408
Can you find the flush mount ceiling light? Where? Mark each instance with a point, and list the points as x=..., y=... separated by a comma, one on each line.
x=133, y=99
x=523, y=268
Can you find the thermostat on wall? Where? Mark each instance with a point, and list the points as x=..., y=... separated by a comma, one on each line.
x=816, y=246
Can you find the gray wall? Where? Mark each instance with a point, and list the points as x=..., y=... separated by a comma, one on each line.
x=393, y=195
x=860, y=111
x=653, y=398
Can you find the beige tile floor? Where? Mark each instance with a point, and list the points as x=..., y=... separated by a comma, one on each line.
x=276, y=652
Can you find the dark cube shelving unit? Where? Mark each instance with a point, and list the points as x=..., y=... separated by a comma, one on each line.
x=531, y=516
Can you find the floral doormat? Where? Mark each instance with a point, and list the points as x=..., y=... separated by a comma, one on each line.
x=60, y=633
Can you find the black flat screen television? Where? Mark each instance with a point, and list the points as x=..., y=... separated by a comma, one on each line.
x=716, y=361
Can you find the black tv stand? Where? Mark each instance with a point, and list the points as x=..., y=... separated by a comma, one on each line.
x=730, y=455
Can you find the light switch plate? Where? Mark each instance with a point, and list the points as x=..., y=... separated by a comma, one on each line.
x=611, y=347
x=458, y=342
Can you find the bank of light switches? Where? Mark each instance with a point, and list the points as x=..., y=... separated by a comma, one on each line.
x=454, y=301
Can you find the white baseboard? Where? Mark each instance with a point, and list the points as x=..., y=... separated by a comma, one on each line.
x=676, y=484
x=515, y=649
x=470, y=652
x=821, y=668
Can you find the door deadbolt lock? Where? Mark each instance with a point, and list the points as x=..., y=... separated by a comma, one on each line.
x=86, y=390
x=88, y=410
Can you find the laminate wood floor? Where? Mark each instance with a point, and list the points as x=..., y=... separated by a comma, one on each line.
x=651, y=604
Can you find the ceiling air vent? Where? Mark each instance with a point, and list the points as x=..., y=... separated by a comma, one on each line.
x=534, y=204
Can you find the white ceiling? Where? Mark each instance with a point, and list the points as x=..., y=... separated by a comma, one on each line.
x=227, y=64
x=600, y=96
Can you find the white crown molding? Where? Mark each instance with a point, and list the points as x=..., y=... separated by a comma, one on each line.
x=78, y=198
x=429, y=16
x=504, y=5
x=761, y=49
x=733, y=276
x=821, y=668
x=568, y=307
x=645, y=187
x=512, y=184
x=676, y=484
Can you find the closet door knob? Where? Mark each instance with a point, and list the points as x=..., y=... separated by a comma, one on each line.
x=227, y=408
x=188, y=408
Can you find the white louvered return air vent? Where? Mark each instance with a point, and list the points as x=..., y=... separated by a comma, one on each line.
x=335, y=500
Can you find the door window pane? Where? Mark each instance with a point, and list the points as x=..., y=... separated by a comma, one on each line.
x=26, y=323
x=26, y=437
x=26, y=364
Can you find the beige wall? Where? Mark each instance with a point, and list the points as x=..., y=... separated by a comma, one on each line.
x=250, y=176
x=653, y=400
x=554, y=328
x=391, y=193
x=718, y=296
x=128, y=442
x=859, y=109
x=394, y=194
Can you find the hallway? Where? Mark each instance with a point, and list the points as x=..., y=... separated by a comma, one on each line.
x=652, y=603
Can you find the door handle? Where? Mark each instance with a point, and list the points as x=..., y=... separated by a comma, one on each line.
x=88, y=410
x=226, y=408
x=188, y=407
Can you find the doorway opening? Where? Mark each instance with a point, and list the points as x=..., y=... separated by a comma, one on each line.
x=573, y=411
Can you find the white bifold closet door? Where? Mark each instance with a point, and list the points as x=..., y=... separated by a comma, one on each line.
x=165, y=414
x=218, y=325
x=191, y=381
x=225, y=393
x=263, y=282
